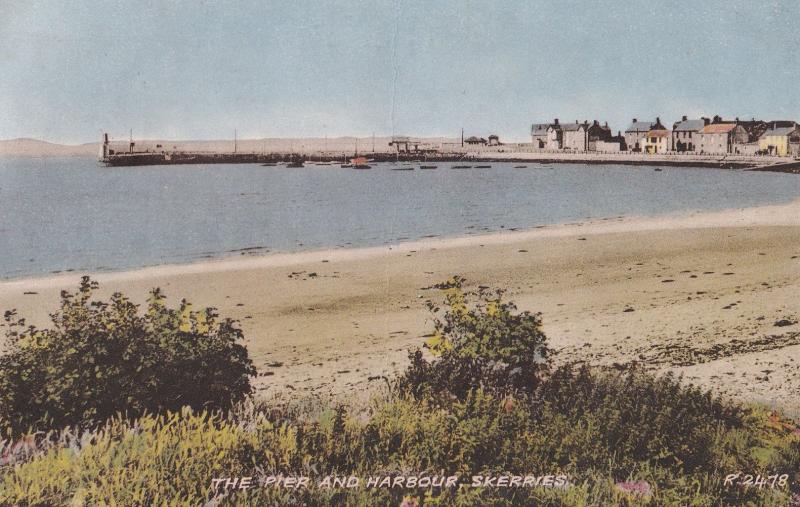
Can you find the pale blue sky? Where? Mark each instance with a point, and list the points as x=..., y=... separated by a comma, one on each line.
x=172, y=69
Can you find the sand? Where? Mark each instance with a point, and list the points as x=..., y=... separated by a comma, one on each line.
x=698, y=294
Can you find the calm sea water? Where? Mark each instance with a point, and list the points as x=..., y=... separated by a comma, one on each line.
x=72, y=214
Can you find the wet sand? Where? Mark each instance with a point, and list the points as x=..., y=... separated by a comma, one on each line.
x=711, y=296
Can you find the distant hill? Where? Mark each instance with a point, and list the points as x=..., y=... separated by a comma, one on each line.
x=25, y=147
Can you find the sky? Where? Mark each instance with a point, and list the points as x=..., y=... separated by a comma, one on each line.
x=200, y=70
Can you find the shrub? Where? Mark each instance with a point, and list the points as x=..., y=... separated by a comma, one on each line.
x=102, y=358
x=482, y=345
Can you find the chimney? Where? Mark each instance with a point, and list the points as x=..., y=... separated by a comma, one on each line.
x=683, y=118
x=556, y=121
x=576, y=122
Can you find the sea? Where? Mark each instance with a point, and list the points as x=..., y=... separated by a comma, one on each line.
x=75, y=215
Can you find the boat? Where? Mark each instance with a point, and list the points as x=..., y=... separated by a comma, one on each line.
x=360, y=163
x=483, y=167
x=427, y=167
x=269, y=164
x=520, y=167
x=295, y=163
x=402, y=169
x=461, y=167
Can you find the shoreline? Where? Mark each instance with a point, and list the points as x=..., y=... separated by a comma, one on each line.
x=696, y=293
x=769, y=214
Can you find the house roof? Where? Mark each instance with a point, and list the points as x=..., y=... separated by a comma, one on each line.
x=781, y=131
x=640, y=126
x=573, y=127
x=718, y=128
x=658, y=133
x=473, y=139
x=540, y=129
x=782, y=123
x=689, y=125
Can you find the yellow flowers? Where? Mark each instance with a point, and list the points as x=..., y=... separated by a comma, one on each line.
x=438, y=344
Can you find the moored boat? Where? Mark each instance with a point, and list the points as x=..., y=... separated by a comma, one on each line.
x=360, y=163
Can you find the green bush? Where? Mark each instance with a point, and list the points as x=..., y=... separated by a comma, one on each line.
x=103, y=358
x=484, y=345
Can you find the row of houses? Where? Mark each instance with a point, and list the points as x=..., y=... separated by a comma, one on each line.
x=713, y=136
x=578, y=136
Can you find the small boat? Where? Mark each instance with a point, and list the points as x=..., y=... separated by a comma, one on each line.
x=347, y=165
x=360, y=163
x=295, y=163
x=461, y=167
x=520, y=167
x=402, y=169
x=483, y=167
x=427, y=167
x=269, y=164
x=657, y=169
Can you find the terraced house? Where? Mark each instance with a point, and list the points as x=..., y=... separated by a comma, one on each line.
x=720, y=138
x=546, y=136
x=657, y=139
x=575, y=136
x=636, y=134
x=781, y=141
x=685, y=134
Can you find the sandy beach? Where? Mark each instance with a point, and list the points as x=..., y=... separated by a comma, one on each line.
x=711, y=296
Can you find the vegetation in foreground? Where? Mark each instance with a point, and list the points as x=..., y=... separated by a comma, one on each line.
x=484, y=400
